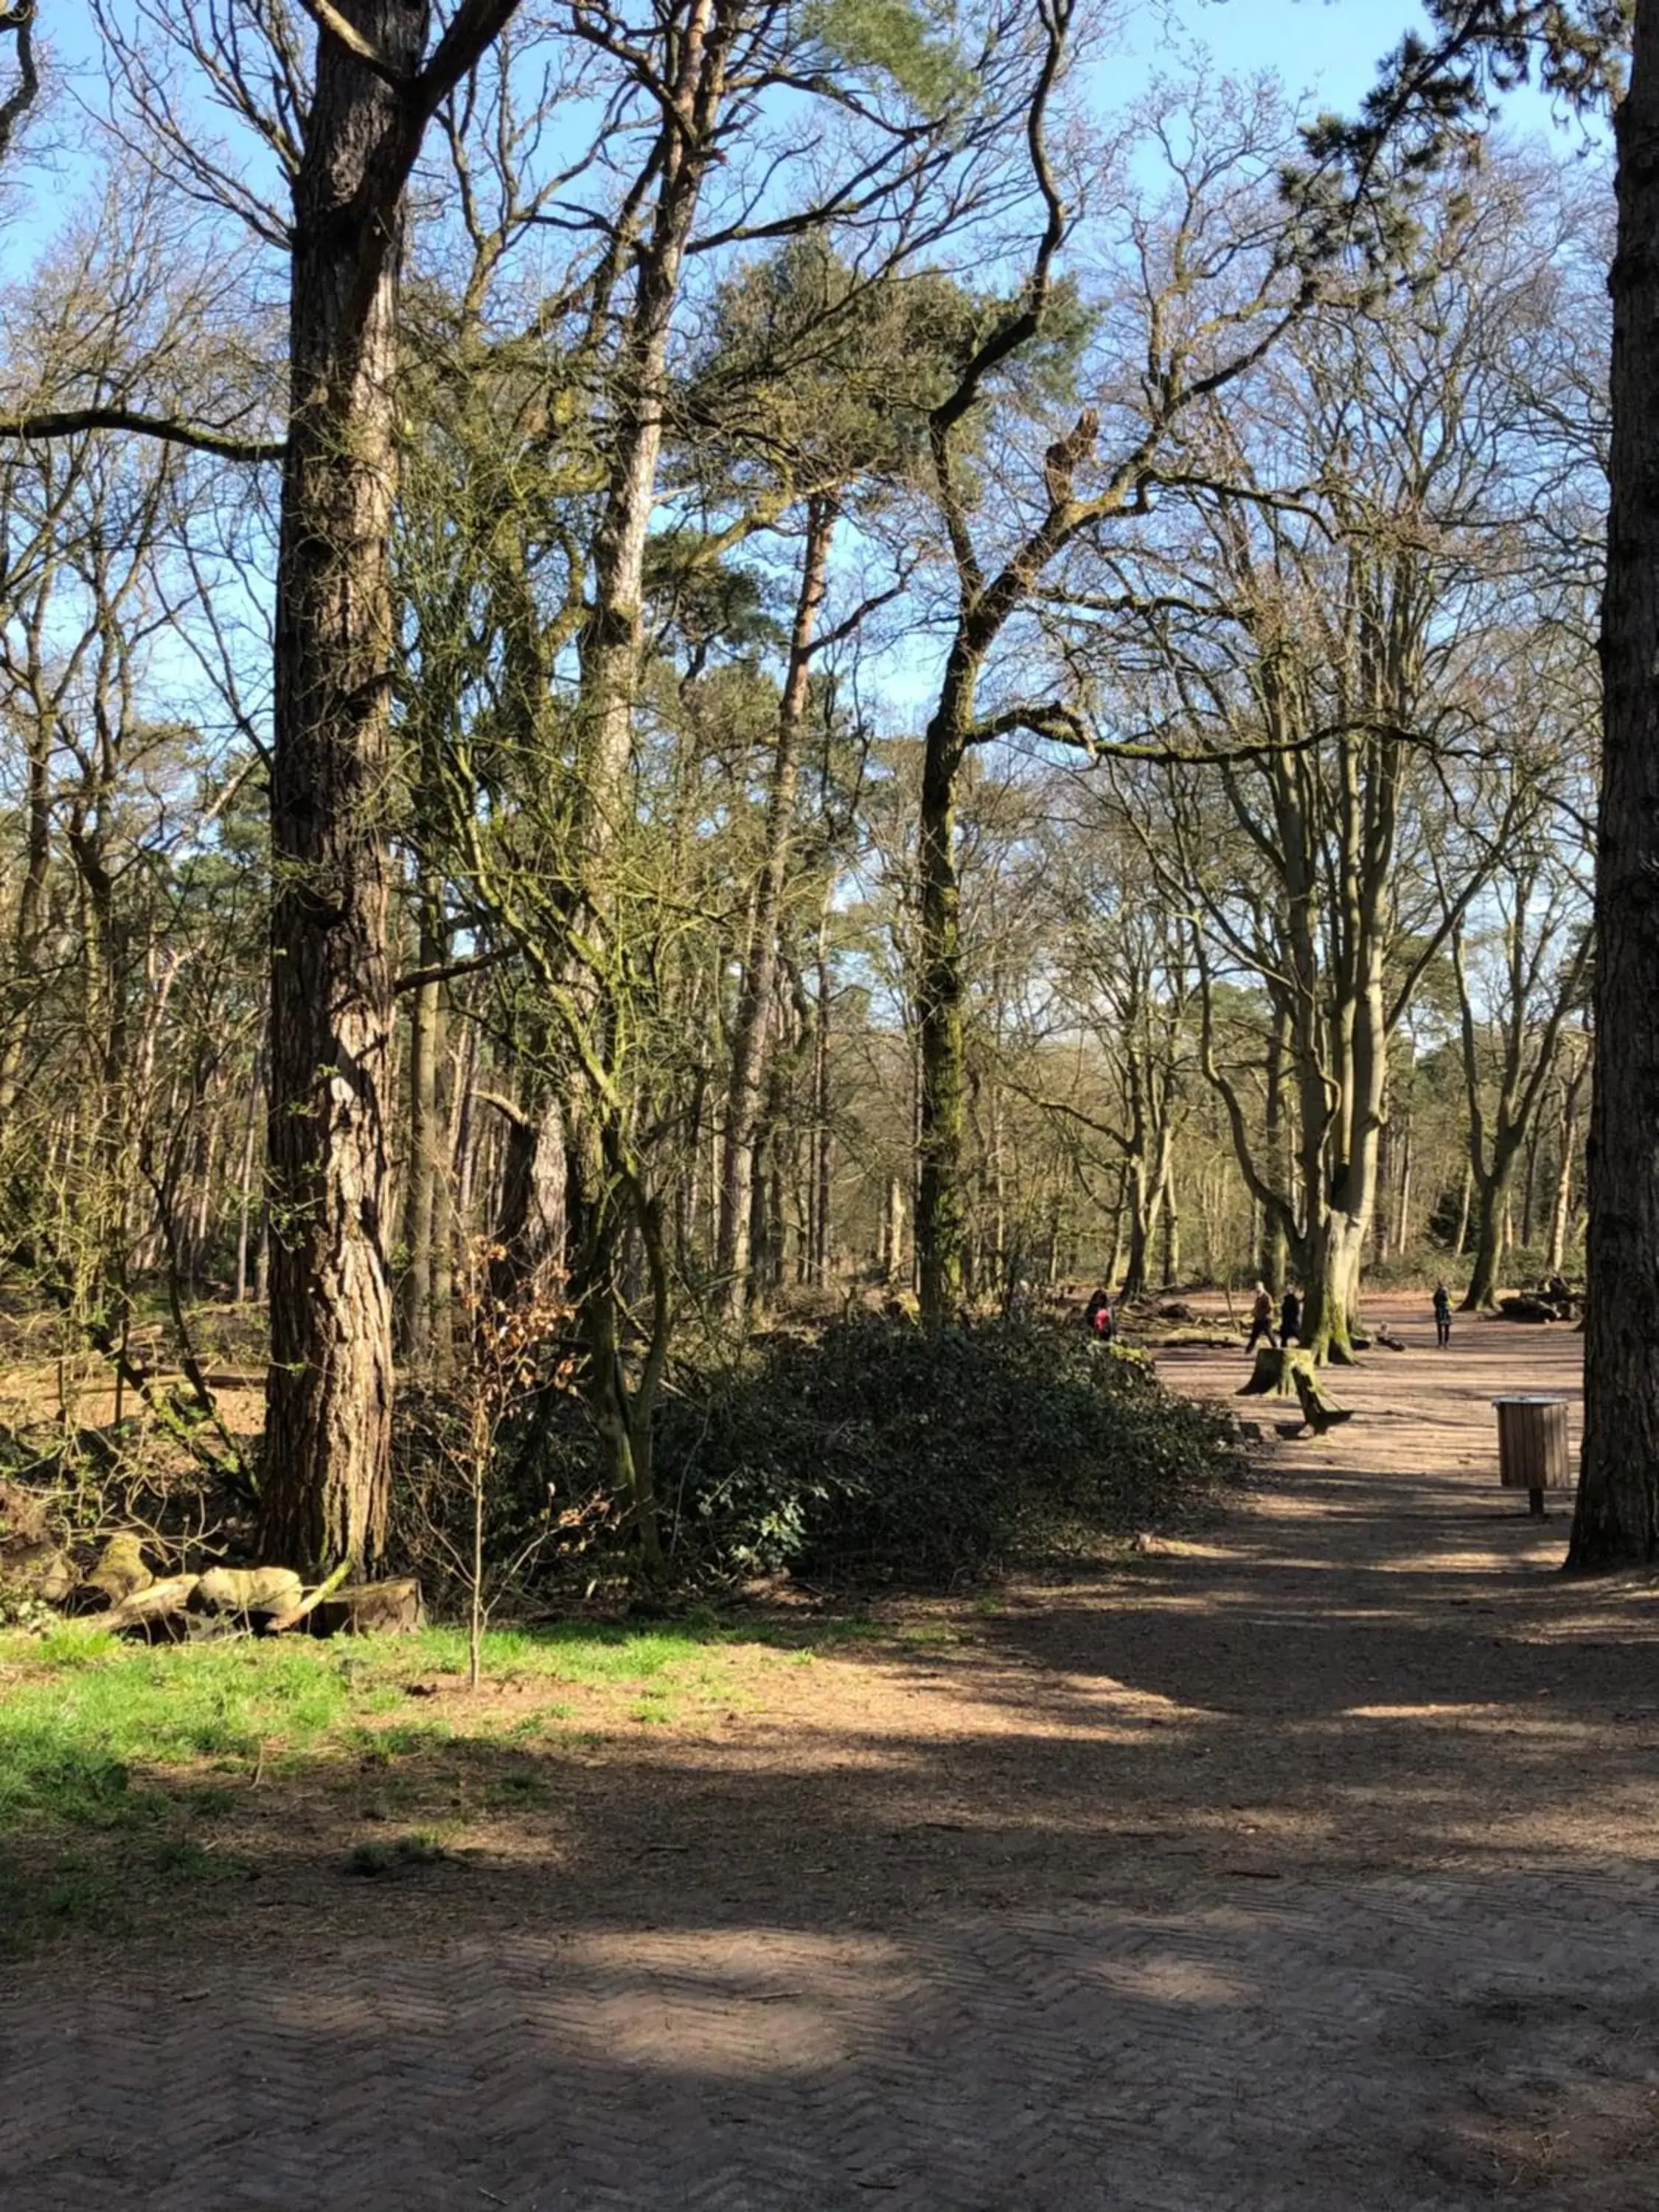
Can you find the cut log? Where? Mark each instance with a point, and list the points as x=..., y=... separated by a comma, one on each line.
x=1275, y=1372
x=152, y=1606
x=120, y=1572
x=250, y=1590
x=1319, y=1412
x=371, y=1609
x=1527, y=1308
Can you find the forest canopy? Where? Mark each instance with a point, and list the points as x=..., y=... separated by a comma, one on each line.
x=661, y=667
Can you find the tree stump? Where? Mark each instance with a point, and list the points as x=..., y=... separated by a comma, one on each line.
x=1275, y=1372
x=369, y=1608
x=1319, y=1412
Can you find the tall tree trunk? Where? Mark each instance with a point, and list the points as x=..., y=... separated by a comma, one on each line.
x=941, y=1214
x=462, y=1146
x=1567, y=1139
x=1529, y=1180
x=822, y=1104
x=893, y=1265
x=1150, y=1197
x=443, y=1199
x=328, y=1425
x=606, y=1201
x=1460, y=1241
x=1402, y=1220
x=530, y=1214
x=1140, y=1211
x=22, y=993
x=752, y=1028
x=1616, y=1522
x=1271, y=1250
x=201, y=1237
x=425, y=1167
x=1171, y=1234
x=1491, y=1212
x=245, y=1189
x=1120, y=1211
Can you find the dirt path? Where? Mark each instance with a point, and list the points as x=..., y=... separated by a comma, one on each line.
x=1312, y=1866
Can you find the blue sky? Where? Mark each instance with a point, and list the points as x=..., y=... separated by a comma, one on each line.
x=1330, y=49
x=1327, y=48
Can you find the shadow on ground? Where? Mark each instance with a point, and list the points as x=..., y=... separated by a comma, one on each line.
x=1309, y=1865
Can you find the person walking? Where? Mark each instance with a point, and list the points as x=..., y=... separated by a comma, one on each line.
x=1442, y=1316
x=1290, y=1318
x=1097, y=1317
x=1261, y=1320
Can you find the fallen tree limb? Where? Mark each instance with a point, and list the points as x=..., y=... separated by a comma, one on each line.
x=309, y=1604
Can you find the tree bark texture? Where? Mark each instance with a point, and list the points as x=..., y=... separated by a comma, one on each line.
x=1616, y=1522
x=530, y=1229
x=941, y=1212
x=329, y=1395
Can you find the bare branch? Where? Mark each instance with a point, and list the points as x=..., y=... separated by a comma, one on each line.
x=199, y=438
x=329, y=20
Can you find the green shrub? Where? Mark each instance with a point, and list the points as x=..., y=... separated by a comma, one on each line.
x=876, y=1454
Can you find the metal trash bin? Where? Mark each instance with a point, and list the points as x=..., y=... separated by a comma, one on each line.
x=1532, y=1446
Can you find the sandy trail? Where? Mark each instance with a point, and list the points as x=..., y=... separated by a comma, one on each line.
x=1309, y=1865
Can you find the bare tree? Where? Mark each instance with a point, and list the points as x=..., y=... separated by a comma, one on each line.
x=1216, y=285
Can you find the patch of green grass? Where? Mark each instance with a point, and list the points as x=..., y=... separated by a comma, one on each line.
x=88, y=1710
x=400, y=1855
x=404, y=1741
x=576, y=1652
x=538, y=1723
x=69, y=1742
x=182, y=1859
x=207, y=1802
x=116, y=1759
x=73, y=1647
x=595, y=1653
